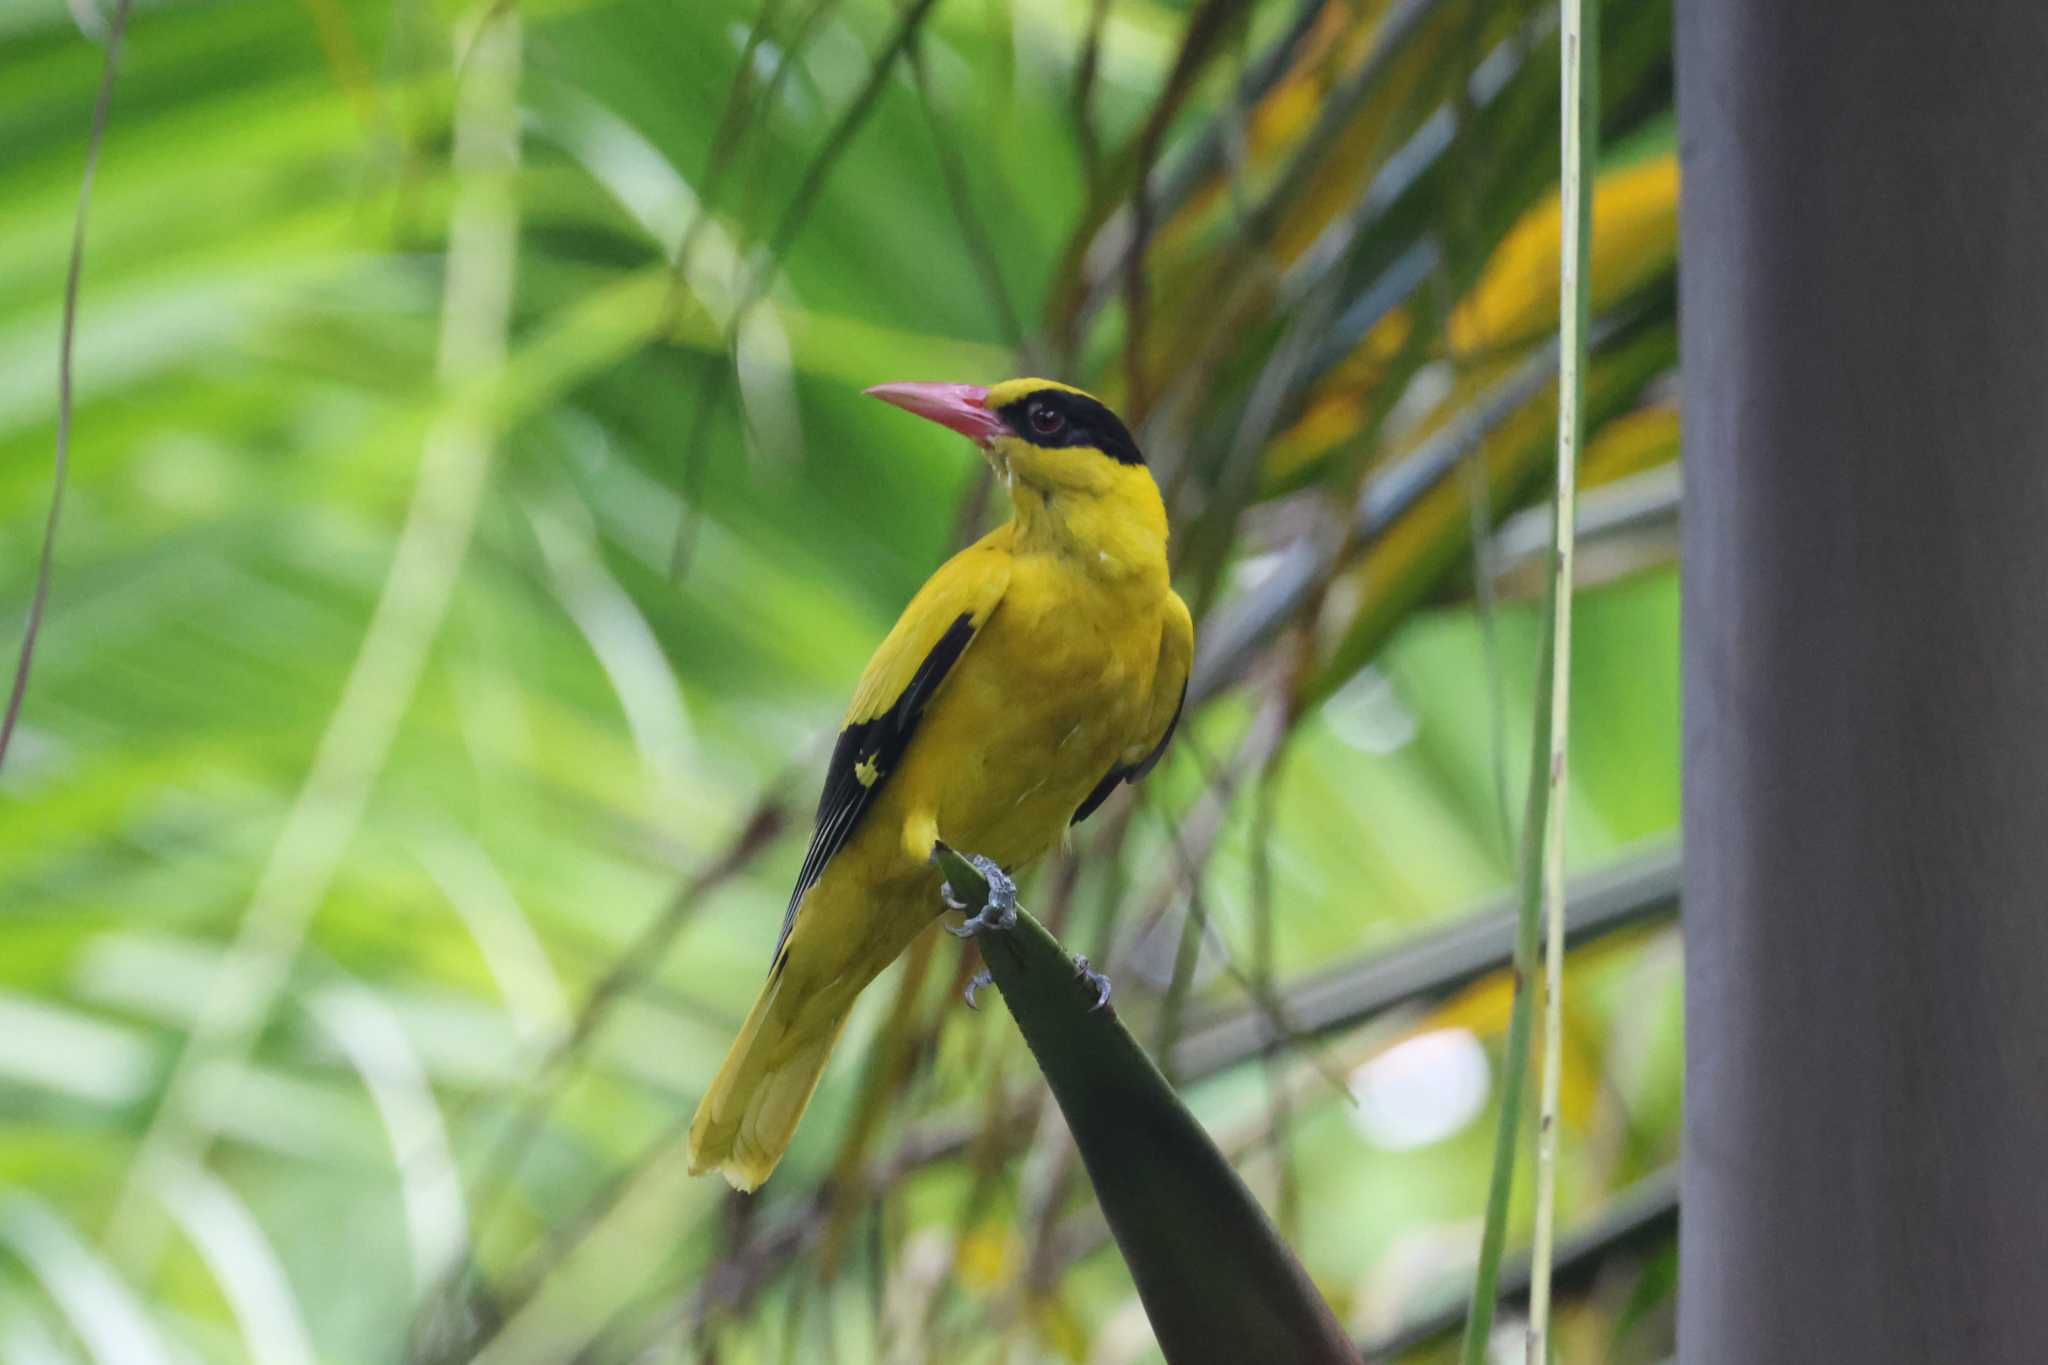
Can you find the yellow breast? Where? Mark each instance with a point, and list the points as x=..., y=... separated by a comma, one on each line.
x=1056, y=688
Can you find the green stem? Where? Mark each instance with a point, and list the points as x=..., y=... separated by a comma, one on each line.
x=1578, y=47
x=1515, y=1065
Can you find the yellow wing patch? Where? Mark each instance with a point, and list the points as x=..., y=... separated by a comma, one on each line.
x=907, y=670
x=969, y=584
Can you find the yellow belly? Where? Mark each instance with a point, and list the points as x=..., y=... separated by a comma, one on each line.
x=1015, y=743
x=1052, y=694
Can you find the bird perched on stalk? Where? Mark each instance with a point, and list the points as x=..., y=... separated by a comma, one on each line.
x=1036, y=670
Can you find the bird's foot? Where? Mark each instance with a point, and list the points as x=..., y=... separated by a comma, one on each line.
x=981, y=978
x=1000, y=910
x=1096, y=980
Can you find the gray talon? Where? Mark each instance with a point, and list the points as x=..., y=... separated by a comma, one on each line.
x=981, y=978
x=1093, y=978
x=1001, y=910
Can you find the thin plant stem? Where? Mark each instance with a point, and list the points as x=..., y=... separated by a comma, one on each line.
x=1087, y=137
x=1280, y=1108
x=1577, y=37
x=67, y=332
x=1515, y=1063
x=761, y=278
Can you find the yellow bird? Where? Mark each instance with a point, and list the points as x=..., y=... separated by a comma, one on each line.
x=1036, y=670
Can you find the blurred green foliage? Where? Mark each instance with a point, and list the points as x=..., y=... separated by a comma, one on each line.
x=453, y=601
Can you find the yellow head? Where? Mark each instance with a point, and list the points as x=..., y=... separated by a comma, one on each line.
x=1038, y=432
x=1074, y=473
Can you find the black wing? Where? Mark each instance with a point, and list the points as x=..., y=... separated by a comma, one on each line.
x=870, y=750
x=1131, y=772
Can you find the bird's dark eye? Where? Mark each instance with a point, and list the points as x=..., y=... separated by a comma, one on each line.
x=1046, y=421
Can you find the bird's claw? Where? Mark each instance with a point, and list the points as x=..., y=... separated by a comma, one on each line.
x=1095, y=979
x=1000, y=910
x=980, y=979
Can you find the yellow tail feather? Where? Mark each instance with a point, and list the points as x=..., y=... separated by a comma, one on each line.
x=750, y=1112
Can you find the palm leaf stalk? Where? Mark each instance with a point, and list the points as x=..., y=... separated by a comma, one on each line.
x=1216, y=1280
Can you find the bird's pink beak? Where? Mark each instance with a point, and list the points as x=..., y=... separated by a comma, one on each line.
x=963, y=407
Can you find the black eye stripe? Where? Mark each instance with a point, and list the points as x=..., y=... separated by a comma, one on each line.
x=1083, y=422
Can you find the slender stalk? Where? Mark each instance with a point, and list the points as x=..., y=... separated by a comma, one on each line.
x=67, y=331
x=1515, y=1064
x=1577, y=38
